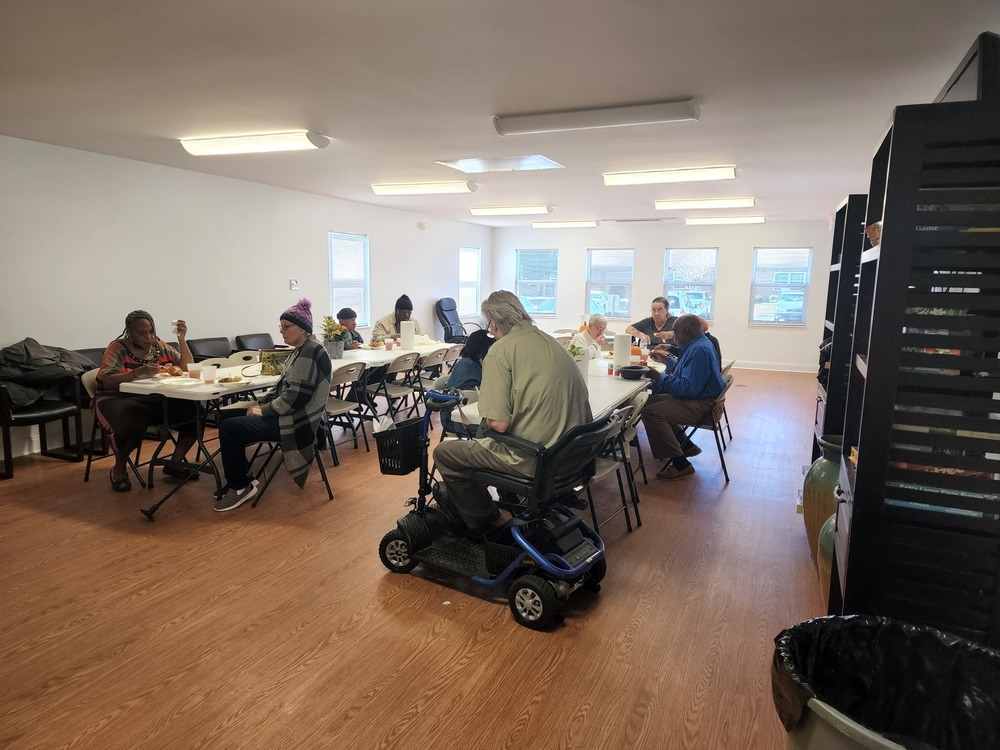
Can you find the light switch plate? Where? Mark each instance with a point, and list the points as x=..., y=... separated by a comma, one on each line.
x=293, y=285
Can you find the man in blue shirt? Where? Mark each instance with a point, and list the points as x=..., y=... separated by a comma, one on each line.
x=687, y=388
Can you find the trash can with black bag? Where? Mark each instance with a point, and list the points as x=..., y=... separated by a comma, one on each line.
x=861, y=681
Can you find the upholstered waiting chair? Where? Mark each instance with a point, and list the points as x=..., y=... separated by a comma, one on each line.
x=255, y=341
x=211, y=347
x=40, y=414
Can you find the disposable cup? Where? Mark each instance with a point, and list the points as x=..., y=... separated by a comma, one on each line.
x=388, y=344
x=208, y=374
x=194, y=369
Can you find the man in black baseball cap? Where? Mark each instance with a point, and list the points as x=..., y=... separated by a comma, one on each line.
x=349, y=319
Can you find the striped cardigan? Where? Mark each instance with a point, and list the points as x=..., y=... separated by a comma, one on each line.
x=300, y=406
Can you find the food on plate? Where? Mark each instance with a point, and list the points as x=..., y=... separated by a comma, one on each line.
x=231, y=379
x=377, y=345
x=173, y=371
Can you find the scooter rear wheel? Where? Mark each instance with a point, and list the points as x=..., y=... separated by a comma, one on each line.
x=394, y=552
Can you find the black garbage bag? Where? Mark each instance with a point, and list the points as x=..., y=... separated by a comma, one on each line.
x=918, y=686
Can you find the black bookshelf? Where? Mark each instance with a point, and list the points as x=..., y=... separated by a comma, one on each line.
x=918, y=531
x=838, y=324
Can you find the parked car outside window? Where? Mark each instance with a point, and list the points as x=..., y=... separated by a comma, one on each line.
x=788, y=307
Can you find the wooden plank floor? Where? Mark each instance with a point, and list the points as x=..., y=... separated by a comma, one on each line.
x=278, y=627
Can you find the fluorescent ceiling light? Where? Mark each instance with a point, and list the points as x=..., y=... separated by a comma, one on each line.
x=509, y=210
x=700, y=221
x=481, y=164
x=602, y=117
x=423, y=188
x=296, y=140
x=704, y=203
x=565, y=224
x=657, y=176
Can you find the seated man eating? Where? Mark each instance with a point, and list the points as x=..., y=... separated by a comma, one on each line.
x=686, y=389
x=531, y=388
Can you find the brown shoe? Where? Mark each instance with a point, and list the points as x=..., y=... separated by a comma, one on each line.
x=691, y=449
x=672, y=473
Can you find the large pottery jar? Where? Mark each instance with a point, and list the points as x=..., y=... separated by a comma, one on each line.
x=824, y=557
x=818, y=498
x=334, y=348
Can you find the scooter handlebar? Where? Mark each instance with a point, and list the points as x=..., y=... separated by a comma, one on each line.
x=446, y=399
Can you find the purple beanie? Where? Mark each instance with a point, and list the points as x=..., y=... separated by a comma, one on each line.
x=300, y=314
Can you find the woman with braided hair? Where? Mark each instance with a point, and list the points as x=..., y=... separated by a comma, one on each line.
x=136, y=355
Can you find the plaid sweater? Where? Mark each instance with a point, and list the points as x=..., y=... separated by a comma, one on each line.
x=299, y=402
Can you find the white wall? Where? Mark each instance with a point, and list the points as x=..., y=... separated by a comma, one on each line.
x=753, y=346
x=85, y=238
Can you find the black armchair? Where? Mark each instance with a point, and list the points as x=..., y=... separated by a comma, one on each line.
x=251, y=341
x=447, y=314
x=40, y=413
x=211, y=347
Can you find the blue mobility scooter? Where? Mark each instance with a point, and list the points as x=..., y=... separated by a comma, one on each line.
x=546, y=552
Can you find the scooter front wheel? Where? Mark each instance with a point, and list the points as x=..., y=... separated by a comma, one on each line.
x=533, y=602
x=394, y=552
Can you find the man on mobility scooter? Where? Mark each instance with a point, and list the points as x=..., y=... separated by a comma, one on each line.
x=538, y=443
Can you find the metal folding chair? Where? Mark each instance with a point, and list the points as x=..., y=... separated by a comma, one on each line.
x=341, y=411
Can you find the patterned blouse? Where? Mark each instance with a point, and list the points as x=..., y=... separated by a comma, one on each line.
x=118, y=359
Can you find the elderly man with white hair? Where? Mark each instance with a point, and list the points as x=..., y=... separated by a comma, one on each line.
x=530, y=389
x=592, y=337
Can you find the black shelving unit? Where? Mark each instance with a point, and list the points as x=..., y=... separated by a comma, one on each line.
x=918, y=531
x=848, y=241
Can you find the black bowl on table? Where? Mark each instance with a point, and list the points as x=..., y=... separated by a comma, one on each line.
x=633, y=372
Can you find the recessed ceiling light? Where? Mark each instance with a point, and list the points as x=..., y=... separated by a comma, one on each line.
x=509, y=210
x=681, y=205
x=701, y=221
x=656, y=176
x=481, y=164
x=601, y=117
x=423, y=188
x=565, y=224
x=295, y=140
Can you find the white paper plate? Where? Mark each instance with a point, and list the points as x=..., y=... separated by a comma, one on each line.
x=179, y=381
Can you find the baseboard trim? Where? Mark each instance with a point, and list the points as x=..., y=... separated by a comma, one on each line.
x=774, y=366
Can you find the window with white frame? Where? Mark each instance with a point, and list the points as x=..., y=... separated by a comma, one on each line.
x=535, y=281
x=469, y=282
x=779, y=292
x=349, y=274
x=689, y=280
x=609, y=283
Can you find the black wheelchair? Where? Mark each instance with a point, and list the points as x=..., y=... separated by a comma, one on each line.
x=545, y=550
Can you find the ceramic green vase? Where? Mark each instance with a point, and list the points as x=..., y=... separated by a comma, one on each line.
x=824, y=556
x=818, y=499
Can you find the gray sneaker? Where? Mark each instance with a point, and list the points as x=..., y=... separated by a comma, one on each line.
x=235, y=498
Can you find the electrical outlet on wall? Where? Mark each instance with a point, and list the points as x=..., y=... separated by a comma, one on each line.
x=293, y=285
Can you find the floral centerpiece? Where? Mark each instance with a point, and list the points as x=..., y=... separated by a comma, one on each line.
x=335, y=337
x=580, y=355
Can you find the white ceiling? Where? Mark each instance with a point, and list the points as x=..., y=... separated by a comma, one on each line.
x=796, y=94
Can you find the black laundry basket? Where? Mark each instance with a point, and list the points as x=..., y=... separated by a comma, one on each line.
x=916, y=686
x=399, y=448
